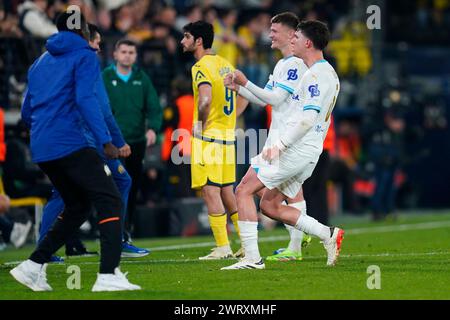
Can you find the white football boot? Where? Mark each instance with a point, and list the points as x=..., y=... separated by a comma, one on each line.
x=116, y=281
x=32, y=274
x=20, y=233
x=333, y=245
x=246, y=264
x=223, y=252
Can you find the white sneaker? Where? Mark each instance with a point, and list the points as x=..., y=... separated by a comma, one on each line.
x=246, y=264
x=333, y=245
x=32, y=274
x=20, y=233
x=218, y=253
x=116, y=281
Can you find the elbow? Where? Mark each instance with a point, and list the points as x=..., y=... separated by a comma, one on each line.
x=274, y=101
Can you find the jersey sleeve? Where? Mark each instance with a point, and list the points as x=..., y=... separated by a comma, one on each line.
x=290, y=75
x=270, y=84
x=315, y=91
x=200, y=75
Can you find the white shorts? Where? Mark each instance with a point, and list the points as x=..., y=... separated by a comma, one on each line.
x=288, y=173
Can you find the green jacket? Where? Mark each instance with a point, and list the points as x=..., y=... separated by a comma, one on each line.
x=135, y=104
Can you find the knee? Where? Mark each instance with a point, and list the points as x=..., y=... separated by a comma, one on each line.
x=242, y=191
x=112, y=205
x=116, y=202
x=82, y=207
x=210, y=194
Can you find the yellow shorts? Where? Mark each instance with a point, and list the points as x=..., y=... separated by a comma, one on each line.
x=212, y=163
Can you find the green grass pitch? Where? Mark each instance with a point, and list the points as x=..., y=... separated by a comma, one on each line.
x=413, y=254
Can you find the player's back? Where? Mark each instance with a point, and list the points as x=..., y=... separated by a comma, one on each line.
x=212, y=69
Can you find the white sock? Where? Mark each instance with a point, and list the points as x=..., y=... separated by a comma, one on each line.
x=313, y=227
x=296, y=236
x=33, y=266
x=249, y=238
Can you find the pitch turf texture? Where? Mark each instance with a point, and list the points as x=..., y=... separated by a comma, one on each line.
x=413, y=254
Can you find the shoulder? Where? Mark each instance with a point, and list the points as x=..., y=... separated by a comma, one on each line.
x=200, y=71
x=141, y=74
x=199, y=64
x=278, y=65
x=87, y=57
x=87, y=53
x=294, y=63
x=108, y=71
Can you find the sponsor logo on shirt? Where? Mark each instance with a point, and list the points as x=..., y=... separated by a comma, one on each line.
x=314, y=90
x=292, y=74
x=137, y=83
x=199, y=75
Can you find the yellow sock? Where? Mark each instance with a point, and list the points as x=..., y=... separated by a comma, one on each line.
x=219, y=228
x=235, y=217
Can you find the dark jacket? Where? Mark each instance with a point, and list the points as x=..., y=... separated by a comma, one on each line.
x=135, y=104
x=61, y=99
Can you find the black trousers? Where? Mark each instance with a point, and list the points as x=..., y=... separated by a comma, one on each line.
x=315, y=190
x=83, y=182
x=134, y=165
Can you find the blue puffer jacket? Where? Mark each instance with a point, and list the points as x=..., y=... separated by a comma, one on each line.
x=61, y=99
x=114, y=130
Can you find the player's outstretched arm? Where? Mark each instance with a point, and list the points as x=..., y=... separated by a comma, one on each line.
x=243, y=92
x=273, y=97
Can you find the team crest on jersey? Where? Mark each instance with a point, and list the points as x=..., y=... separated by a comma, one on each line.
x=121, y=169
x=319, y=129
x=199, y=75
x=314, y=90
x=292, y=74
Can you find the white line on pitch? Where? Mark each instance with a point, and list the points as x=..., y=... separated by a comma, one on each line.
x=385, y=254
x=381, y=229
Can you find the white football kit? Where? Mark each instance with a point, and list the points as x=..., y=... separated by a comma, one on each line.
x=317, y=91
x=286, y=75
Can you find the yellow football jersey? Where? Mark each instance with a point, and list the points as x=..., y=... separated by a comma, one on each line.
x=212, y=69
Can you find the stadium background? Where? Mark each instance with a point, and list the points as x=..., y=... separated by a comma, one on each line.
x=401, y=69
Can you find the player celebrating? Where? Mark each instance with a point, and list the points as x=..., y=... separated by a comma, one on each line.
x=285, y=77
x=213, y=153
x=292, y=158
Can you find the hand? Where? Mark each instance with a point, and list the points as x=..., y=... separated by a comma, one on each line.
x=111, y=152
x=228, y=82
x=270, y=154
x=239, y=78
x=151, y=137
x=125, y=151
x=197, y=129
x=4, y=204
